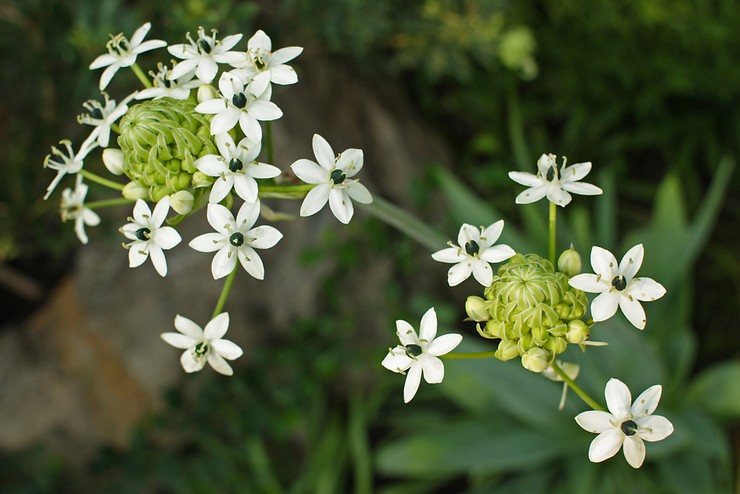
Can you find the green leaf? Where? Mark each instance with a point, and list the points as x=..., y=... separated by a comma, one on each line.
x=717, y=390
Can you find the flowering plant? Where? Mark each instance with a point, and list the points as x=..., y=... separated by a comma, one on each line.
x=190, y=141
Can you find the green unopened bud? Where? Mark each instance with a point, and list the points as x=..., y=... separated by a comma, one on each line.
x=477, y=309
x=182, y=202
x=113, y=160
x=200, y=179
x=507, y=350
x=556, y=344
x=577, y=332
x=492, y=329
x=524, y=343
x=206, y=92
x=134, y=190
x=569, y=262
x=536, y=359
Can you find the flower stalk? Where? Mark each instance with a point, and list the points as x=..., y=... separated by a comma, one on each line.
x=224, y=293
x=576, y=388
x=101, y=181
x=141, y=76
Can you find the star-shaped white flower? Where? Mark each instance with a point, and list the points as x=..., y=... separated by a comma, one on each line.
x=204, y=54
x=236, y=168
x=165, y=86
x=420, y=353
x=617, y=286
x=236, y=239
x=66, y=161
x=474, y=253
x=332, y=176
x=73, y=208
x=261, y=58
x=625, y=423
x=123, y=53
x=203, y=346
x=554, y=182
x=149, y=237
x=102, y=116
x=245, y=104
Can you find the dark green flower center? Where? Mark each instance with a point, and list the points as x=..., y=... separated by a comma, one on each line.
x=337, y=176
x=413, y=351
x=201, y=348
x=259, y=63
x=235, y=164
x=472, y=247
x=96, y=113
x=204, y=46
x=143, y=234
x=629, y=427
x=619, y=282
x=552, y=173
x=236, y=239
x=239, y=100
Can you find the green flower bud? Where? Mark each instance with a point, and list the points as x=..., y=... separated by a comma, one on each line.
x=492, y=329
x=556, y=344
x=206, y=92
x=182, y=202
x=134, y=190
x=569, y=262
x=578, y=331
x=200, y=179
x=536, y=359
x=525, y=343
x=477, y=309
x=507, y=350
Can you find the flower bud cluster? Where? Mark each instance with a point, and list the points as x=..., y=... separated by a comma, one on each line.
x=532, y=309
x=160, y=140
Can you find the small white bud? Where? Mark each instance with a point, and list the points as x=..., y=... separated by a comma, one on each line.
x=206, y=92
x=113, y=160
x=182, y=201
x=134, y=190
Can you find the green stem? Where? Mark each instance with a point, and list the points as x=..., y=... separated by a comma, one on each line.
x=268, y=140
x=108, y=203
x=140, y=74
x=286, y=190
x=553, y=231
x=405, y=223
x=225, y=292
x=468, y=355
x=576, y=388
x=100, y=180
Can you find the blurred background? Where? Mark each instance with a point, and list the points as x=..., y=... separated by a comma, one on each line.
x=444, y=97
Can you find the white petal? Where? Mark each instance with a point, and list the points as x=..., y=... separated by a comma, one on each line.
x=262, y=170
x=189, y=363
x=596, y=421
x=211, y=106
x=524, y=178
x=444, y=344
x=217, y=327
x=645, y=289
x=220, y=365
x=286, y=54
x=358, y=192
x=264, y=236
x=166, y=237
x=323, y=152
x=107, y=75
x=647, y=402
x=341, y=205
x=227, y=349
x=212, y=165
x=531, y=195
x=250, y=126
x=406, y=333
x=633, y=311
x=413, y=378
x=634, y=451
x=102, y=61
x=428, y=326
x=397, y=360
x=451, y=254
x=310, y=172
x=459, y=272
x=219, y=216
x=468, y=233
x=497, y=253
x=605, y=305
x=160, y=212
x=251, y=262
x=283, y=75
x=582, y=188
x=188, y=328
x=433, y=369
x=654, y=428
x=605, y=445
x=557, y=195
x=492, y=233
x=224, y=120
x=604, y=263
x=575, y=172
x=140, y=34
x=178, y=340
x=265, y=111
x=245, y=187
x=223, y=263
x=141, y=213
x=588, y=283
x=221, y=188
x=315, y=200
x=158, y=260
x=208, y=242
x=632, y=261
x=482, y=272
x=259, y=40
x=350, y=161
x=247, y=215
x=207, y=70
x=137, y=255
x=182, y=68
x=618, y=398
x=230, y=41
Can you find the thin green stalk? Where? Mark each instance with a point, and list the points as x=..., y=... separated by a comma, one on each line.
x=100, y=180
x=268, y=140
x=468, y=355
x=225, y=292
x=405, y=223
x=119, y=201
x=291, y=190
x=553, y=231
x=140, y=74
x=576, y=388
x=262, y=467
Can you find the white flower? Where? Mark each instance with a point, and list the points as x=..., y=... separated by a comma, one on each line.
x=123, y=53
x=261, y=58
x=241, y=103
x=332, y=177
x=73, y=208
x=149, y=237
x=554, y=182
x=617, y=285
x=236, y=239
x=165, y=86
x=102, y=116
x=625, y=424
x=66, y=162
x=204, y=345
x=204, y=55
x=236, y=168
x=474, y=252
x=419, y=354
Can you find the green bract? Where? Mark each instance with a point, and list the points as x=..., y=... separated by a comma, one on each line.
x=160, y=140
x=531, y=306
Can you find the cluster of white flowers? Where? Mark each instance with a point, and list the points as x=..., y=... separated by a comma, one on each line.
x=236, y=106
